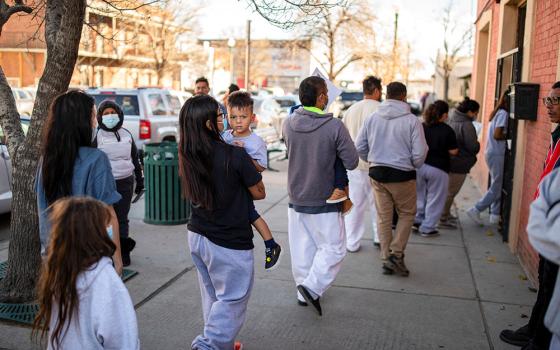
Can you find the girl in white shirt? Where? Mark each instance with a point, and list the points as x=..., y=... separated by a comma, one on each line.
x=83, y=302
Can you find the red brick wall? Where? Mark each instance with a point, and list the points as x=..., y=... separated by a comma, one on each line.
x=543, y=70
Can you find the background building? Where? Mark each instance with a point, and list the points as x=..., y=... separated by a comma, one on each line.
x=516, y=41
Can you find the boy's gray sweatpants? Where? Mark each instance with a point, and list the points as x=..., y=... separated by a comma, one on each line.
x=225, y=277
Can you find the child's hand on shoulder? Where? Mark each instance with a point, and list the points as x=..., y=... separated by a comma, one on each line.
x=238, y=143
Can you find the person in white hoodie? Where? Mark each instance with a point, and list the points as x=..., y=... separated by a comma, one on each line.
x=119, y=146
x=83, y=302
x=544, y=235
x=393, y=142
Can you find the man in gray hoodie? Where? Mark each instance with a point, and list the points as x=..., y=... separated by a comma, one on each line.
x=314, y=140
x=393, y=142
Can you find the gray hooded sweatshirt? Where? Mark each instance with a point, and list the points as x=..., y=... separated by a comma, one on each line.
x=393, y=137
x=544, y=235
x=313, y=142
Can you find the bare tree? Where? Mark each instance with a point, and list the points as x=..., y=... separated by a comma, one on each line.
x=170, y=21
x=63, y=27
x=452, y=47
x=341, y=36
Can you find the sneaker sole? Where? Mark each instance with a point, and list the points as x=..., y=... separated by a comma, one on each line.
x=474, y=218
x=275, y=266
x=334, y=201
x=513, y=342
x=429, y=235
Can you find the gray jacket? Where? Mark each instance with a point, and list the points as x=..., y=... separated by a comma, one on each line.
x=313, y=142
x=467, y=142
x=544, y=235
x=393, y=137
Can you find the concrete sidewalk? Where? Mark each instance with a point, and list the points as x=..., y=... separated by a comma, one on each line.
x=464, y=288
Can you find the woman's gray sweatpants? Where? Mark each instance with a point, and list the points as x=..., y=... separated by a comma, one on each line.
x=225, y=277
x=493, y=196
x=432, y=185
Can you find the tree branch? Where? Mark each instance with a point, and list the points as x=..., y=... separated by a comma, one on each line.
x=9, y=117
x=7, y=11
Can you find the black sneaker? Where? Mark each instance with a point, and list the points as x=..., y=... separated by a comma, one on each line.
x=433, y=233
x=309, y=299
x=415, y=227
x=519, y=337
x=397, y=265
x=125, y=259
x=448, y=224
x=272, y=257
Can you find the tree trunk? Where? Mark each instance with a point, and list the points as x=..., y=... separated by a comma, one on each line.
x=446, y=87
x=63, y=28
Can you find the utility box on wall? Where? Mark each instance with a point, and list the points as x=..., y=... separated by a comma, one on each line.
x=524, y=101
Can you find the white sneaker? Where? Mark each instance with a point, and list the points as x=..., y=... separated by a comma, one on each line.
x=494, y=219
x=474, y=214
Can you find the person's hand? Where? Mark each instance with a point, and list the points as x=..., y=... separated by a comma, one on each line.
x=238, y=143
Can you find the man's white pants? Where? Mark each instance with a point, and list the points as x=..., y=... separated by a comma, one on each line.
x=361, y=194
x=317, y=246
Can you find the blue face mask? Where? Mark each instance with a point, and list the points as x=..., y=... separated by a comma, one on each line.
x=110, y=120
x=110, y=231
x=225, y=123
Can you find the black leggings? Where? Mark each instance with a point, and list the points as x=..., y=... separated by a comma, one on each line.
x=125, y=187
x=548, y=271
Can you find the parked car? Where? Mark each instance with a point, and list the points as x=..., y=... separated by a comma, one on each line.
x=344, y=101
x=269, y=113
x=24, y=101
x=415, y=107
x=177, y=99
x=150, y=114
x=6, y=169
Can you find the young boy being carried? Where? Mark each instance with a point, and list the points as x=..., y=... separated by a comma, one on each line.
x=240, y=116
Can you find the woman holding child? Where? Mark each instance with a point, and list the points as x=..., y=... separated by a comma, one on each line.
x=221, y=181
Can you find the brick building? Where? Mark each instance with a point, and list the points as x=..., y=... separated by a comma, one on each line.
x=516, y=41
x=117, y=49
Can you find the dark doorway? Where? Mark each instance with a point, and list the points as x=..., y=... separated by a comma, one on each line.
x=509, y=72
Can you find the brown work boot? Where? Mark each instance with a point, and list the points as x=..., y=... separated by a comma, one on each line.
x=347, y=206
x=338, y=196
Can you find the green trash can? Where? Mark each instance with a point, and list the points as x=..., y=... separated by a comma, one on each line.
x=163, y=199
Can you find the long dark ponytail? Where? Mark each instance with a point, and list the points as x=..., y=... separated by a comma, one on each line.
x=503, y=103
x=69, y=127
x=196, y=151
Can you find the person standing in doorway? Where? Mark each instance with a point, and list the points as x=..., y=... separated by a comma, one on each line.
x=432, y=179
x=220, y=181
x=495, y=154
x=361, y=191
x=314, y=140
x=535, y=335
x=393, y=142
x=461, y=121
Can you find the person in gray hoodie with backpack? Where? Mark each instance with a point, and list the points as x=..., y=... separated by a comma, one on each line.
x=392, y=140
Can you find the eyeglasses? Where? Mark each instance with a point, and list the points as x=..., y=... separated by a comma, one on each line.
x=551, y=100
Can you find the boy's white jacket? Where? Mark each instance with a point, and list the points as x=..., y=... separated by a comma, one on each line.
x=106, y=318
x=544, y=235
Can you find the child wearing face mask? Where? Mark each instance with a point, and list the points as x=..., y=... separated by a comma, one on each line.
x=118, y=144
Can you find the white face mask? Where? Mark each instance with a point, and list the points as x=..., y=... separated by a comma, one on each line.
x=110, y=120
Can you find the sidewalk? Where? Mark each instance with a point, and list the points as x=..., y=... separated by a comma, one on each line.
x=464, y=287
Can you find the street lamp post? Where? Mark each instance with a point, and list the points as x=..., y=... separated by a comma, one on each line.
x=231, y=45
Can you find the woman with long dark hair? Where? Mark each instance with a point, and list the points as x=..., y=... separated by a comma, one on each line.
x=71, y=166
x=432, y=179
x=494, y=155
x=461, y=121
x=83, y=302
x=220, y=181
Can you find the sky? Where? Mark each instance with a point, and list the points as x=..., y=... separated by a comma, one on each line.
x=419, y=24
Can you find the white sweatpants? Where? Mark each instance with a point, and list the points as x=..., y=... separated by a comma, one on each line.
x=361, y=194
x=317, y=246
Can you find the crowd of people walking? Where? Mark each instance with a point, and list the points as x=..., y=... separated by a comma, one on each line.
x=380, y=159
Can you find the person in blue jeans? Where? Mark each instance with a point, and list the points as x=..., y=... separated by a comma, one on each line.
x=220, y=181
x=495, y=154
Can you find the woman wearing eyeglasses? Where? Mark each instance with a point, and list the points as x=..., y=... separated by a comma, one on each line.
x=494, y=155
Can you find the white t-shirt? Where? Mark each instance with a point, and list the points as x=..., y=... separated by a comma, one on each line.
x=253, y=144
x=354, y=119
x=493, y=146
